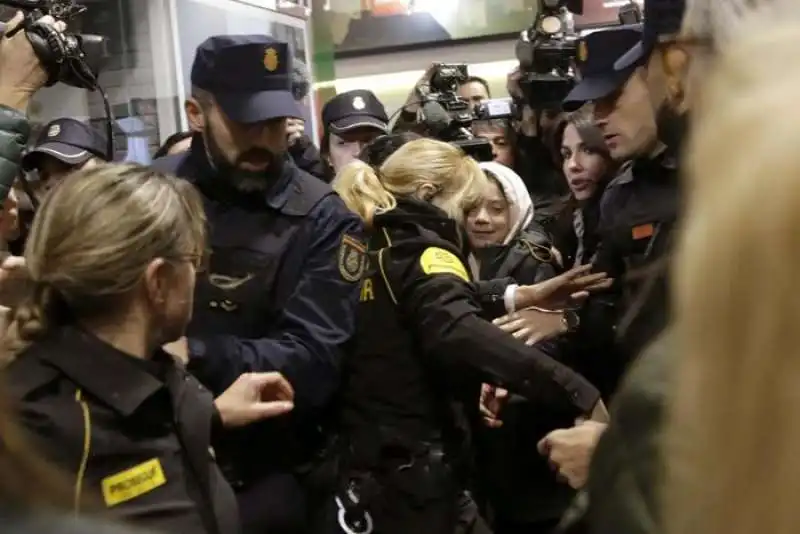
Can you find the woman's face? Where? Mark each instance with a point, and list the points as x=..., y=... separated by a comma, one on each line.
x=582, y=167
x=346, y=147
x=502, y=150
x=489, y=222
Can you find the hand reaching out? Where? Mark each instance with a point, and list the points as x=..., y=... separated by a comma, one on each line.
x=562, y=291
x=570, y=450
x=533, y=325
x=253, y=397
x=491, y=403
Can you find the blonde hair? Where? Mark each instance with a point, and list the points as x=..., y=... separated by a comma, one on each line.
x=92, y=240
x=734, y=431
x=458, y=178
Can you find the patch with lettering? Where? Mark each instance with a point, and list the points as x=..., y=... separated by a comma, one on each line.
x=352, y=259
x=437, y=260
x=133, y=482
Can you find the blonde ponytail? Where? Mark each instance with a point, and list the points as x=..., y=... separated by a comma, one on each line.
x=362, y=191
x=30, y=320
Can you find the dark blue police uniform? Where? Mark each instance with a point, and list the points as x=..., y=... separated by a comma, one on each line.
x=282, y=287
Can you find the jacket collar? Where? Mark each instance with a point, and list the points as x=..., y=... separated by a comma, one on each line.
x=196, y=167
x=101, y=370
x=415, y=215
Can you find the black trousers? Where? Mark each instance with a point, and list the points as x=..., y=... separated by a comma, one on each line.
x=395, y=513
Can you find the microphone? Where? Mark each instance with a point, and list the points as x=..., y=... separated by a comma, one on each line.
x=436, y=118
x=440, y=123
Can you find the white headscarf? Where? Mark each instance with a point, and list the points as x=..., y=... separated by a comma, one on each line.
x=520, y=205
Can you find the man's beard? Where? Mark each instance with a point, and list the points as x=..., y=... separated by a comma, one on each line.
x=242, y=179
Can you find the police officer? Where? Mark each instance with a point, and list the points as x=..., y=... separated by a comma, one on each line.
x=422, y=349
x=63, y=146
x=282, y=286
x=350, y=121
x=640, y=206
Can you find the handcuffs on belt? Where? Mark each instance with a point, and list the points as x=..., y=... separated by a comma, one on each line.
x=350, y=525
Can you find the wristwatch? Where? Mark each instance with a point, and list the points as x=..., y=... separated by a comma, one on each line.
x=571, y=320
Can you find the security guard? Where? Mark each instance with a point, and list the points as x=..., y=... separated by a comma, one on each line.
x=351, y=120
x=144, y=429
x=281, y=291
x=422, y=350
x=640, y=206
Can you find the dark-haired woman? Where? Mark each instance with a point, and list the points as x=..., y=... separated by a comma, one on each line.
x=588, y=168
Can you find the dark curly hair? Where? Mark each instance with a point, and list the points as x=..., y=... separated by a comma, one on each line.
x=380, y=148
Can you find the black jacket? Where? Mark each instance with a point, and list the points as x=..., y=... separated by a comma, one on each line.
x=513, y=479
x=422, y=342
x=307, y=157
x=135, y=434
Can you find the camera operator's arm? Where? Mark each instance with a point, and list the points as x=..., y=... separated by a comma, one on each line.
x=21, y=75
x=407, y=118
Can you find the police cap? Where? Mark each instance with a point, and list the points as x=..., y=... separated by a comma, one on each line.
x=69, y=141
x=354, y=109
x=597, y=52
x=661, y=18
x=250, y=76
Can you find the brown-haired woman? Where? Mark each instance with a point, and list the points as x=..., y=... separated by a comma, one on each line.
x=111, y=261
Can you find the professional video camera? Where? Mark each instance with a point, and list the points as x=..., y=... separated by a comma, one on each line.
x=73, y=59
x=546, y=53
x=447, y=116
x=496, y=109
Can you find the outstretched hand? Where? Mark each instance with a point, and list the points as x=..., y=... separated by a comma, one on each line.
x=563, y=291
x=253, y=397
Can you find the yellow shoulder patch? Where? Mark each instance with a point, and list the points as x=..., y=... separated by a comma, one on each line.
x=437, y=260
x=133, y=482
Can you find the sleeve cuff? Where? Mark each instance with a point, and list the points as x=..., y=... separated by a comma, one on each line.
x=509, y=298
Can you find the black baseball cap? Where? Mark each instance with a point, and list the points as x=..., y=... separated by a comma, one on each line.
x=661, y=18
x=354, y=109
x=69, y=141
x=596, y=54
x=250, y=76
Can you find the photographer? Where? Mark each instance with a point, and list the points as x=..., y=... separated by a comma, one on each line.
x=475, y=90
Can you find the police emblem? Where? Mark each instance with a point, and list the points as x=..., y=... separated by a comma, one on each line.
x=583, y=52
x=271, y=59
x=358, y=103
x=352, y=259
x=54, y=130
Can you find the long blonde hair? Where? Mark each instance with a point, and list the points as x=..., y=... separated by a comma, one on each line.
x=457, y=177
x=732, y=439
x=92, y=240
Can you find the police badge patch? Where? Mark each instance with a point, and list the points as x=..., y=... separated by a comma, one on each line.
x=352, y=259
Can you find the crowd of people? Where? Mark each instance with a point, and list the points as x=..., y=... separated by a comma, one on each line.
x=588, y=334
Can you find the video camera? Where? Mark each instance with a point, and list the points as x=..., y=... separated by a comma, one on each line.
x=73, y=59
x=447, y=116
x=546, y=53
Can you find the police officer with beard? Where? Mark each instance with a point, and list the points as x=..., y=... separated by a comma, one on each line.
x=282, y=284
x=640, y=206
